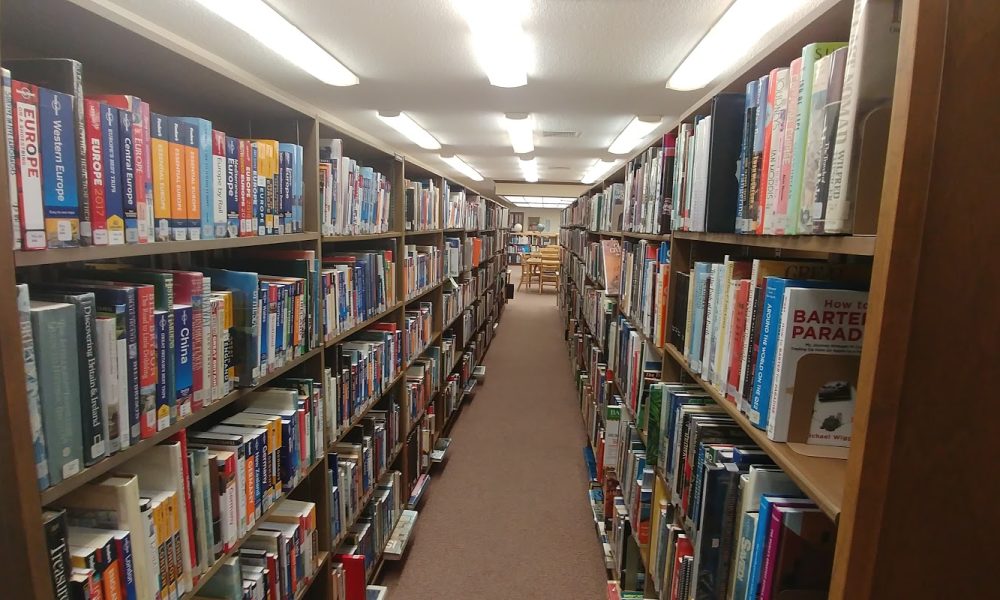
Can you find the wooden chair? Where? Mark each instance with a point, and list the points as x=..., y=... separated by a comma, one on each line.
x=549, y=273
x=529, y=270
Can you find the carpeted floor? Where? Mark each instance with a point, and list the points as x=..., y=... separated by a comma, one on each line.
x=506, y=516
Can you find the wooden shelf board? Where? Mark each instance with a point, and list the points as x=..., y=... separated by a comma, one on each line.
x=423, y=232
x=419, y=295
x=331, y=239
x=23, y=258
x=116, y=460
x=822, y=479
x=647, y=236
x=861, y=245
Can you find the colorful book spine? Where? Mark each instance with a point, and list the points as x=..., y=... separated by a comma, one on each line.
x=233, y=190
x=183, y=360
x=127, y=166
x=178, y=182
x=59, y=165
x=780, y=223
x=143, y=170
x=189, y=135
x=219, y=184
x=31, y=386
x=247, y=179
x=161, y=174
x=206, y=174
x=114, y=202
x=162, y=397
x=28, y=155
x=257, y=189
x=96, y=173
x=8, y=119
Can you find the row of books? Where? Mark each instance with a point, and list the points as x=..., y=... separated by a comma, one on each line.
x=354, y=198
x=423, y=205
x=366, y=539
x=795, y=140
x=472, y=212
x=195, y=497
x=423, y=268
x=355, y=470
x=356, y=286
x=780, y=339
x=139, y=349
x=645, y=281
x=632, y=361
x=106, y=170
x=647, y=200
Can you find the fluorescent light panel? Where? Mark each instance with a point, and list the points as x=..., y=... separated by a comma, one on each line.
x=529, y=169
x=732, y=37
x=462, y=167
x=540, y=201
x=596, y=171
x=275, y=32
x=402, y=123
x=636, y=130
x=521, y=130
x=500, y=44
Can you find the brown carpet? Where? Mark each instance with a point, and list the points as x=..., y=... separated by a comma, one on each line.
x=506, y=516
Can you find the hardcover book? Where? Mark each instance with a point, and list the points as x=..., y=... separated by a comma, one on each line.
x=59, y=169
x=31, y=386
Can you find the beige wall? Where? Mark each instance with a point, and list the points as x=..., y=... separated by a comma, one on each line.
x=550, y=214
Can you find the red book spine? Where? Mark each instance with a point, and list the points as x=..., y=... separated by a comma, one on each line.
x=246, y=190
x=355, y=579
x=187, y=286
x=28, y=152
x=95, y=172
x=739, y=333
x=771, y=552
x=146, y=304
x=181, y=438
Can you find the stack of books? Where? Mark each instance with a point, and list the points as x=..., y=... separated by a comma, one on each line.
x=423, y=205
x=645, y=281
x=355, y=198
x=357, y=286
x=423, y=269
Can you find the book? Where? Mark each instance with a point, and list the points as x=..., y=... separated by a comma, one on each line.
x=815, y=370
x=760, y=540
x=189, y=139
x=31, y=386
x=95, y=182
x=866, y=100
x=180, y=183
x=8, y=129
x=113, y=193
x=203, y=143
x=775, y=149
x=220, y=185
x=805, y=551
x=60, y=184
x=54, y=331
x=28, y=157
x=830, y=114
x=57, y=546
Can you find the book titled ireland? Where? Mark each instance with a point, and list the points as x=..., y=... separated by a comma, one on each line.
x=816, y=368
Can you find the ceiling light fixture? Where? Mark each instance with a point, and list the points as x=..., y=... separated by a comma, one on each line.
x=275, y=32
x=731, y=38
x=501, y=46
x=529, y=169
x=521, y=130
x=402, y=123
x=636, y=130
x=461, y=166
x=596, y=171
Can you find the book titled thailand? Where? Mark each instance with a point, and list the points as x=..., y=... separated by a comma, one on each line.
x=816, y=367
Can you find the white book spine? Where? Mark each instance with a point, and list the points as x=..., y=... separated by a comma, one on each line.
x=778, y=417
x=8, y=117
x=107, y=377
x=219, y=193
x=778, y=122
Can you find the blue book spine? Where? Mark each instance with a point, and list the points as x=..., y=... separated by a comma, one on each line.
x=114, y=203
x=203, y=139
x=742, y=164
x=258, y=466
x=744, y=551
x=126, y=162
x=162, y=334
x=183, y=364
x=759, y=543
x=281, y=326
x=60, y=194
x=232, y=187
x=265, y=320
x=286, y=190
x=259, y=191
x=128, y=567
x=245, y=289
x=298, y=187
x=128, y=297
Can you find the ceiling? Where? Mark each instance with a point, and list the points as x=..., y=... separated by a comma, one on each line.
x=596, y=64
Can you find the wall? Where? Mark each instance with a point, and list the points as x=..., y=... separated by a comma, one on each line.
x=549, y=214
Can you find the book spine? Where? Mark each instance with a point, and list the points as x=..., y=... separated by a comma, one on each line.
x=192, y=179
x=96, y=173
x=206, y=171
x=54, y=333
x=766, y=155
x=127, y=564
x=183, y=375
x=31, y=386
x=775, y=153
x=162, y=402
x=246, y=158
x=791, y=123
x=764, y=371
x=107, y=368
x=57, y=546
x=8, y=117
x=197, y=333
x=113, y=201
x=258, y=188
x=161, y=175
x=147, y=365
x=178, y=182
x=219, y=184
x=771, y=554
x=777, y=426
x=94, y=441
x=233, y=189
x=127, y=165
x=59, y=178
x=143, y=174
x=28, y=154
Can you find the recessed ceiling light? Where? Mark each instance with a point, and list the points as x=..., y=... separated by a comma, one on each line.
x=540, y=201
x=596, y=171
x=529, y=168
x=402, y=123
x=461, y=166
x=521, y=130
x=730, y=39
x=275, y=32
x=636, y=130
x=501, y=45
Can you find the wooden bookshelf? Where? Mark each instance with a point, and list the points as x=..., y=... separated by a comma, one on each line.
x=333, y=239
x=861, y=245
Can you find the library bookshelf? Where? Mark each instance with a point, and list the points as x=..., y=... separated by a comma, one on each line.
x=176, y=77
x=926, y=321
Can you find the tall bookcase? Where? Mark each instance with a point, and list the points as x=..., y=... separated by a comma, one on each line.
x=123, y=54
x=929, y=321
